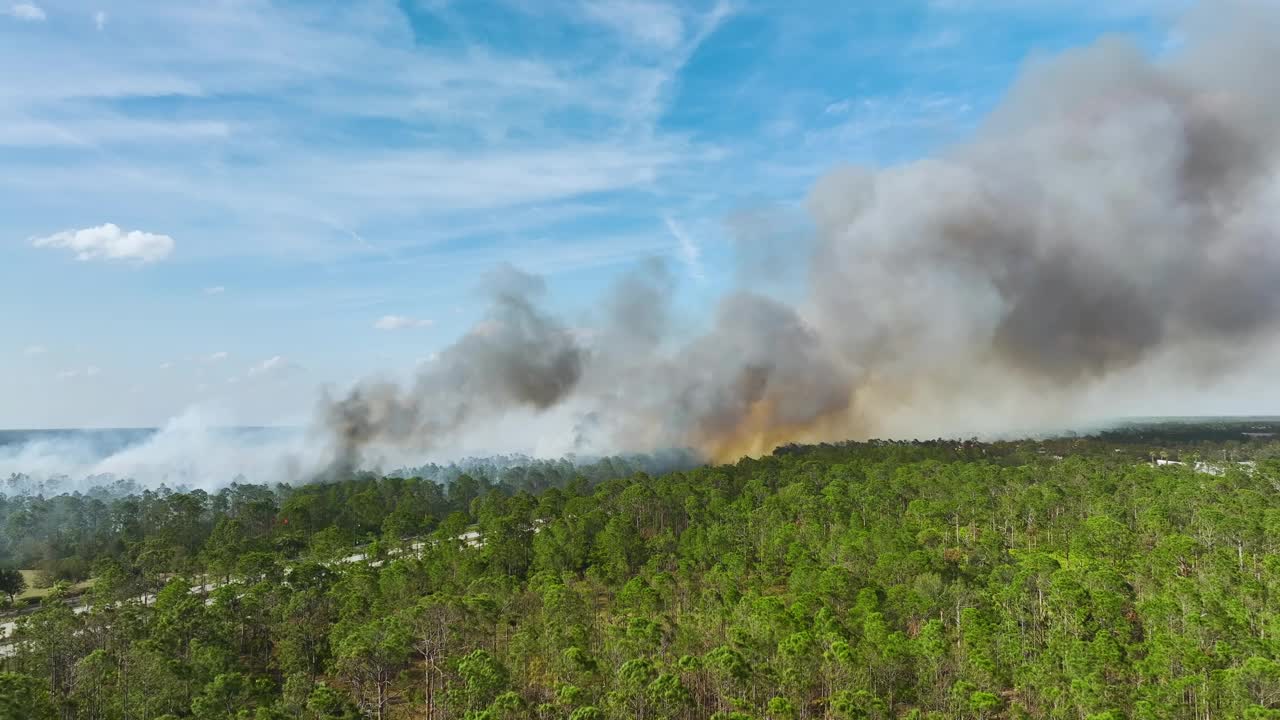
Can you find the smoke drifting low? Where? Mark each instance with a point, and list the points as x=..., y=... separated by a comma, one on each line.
x=198, y=450
x=1114, y=218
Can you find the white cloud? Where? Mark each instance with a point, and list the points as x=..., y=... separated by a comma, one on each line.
x=100, y=20
x=218, y=356
x=108, y=128
x=859, y=124
x=690, y=251
x=651, y=23
x=33, y=350
x=277, y=365
x=488, y=121
x=215, y=290
x=1094, y=11
x=26, y=11
x=90, y=371
x=400, y=322
x=448, y=181
x=166, y=365
x=838, y=108
x=944, y=39
x=109, y=242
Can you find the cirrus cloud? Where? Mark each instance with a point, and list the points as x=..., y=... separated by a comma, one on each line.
x=648, y=23
x=109, y=242
x=274, y=366
x=88, y=372
x=400, y=322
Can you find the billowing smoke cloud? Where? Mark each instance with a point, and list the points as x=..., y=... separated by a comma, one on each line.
x=1114, y=216
x=518, y=357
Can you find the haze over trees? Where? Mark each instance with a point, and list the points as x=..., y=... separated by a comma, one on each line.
x=1061, y=579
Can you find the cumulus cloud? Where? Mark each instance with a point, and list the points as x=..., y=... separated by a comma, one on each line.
x=27, y=12
x=109, y=242
x=33, y=350
x=217, y=357
x=215, y=290
x=400, y=322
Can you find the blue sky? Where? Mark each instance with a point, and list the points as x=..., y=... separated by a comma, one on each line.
x=233, y=203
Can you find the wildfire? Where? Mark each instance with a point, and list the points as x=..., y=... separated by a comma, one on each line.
x=761, y=431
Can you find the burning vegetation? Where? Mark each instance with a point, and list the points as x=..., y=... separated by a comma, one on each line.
x=1113, y=219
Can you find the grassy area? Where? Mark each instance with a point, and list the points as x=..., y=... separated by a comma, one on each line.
x=34, y=592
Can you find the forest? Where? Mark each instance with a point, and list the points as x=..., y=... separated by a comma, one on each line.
x=1059, y=578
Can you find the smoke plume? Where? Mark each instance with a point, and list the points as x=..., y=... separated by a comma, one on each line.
x=518, y=357
x=1114, y=217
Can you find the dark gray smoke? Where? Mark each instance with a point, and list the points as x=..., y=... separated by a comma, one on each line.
x=518, y=357
x=1114, y=212
x=1114, y=218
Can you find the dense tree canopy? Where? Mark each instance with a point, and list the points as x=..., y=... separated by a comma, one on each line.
x=1057, y=579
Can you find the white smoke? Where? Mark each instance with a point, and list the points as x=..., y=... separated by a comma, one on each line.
x=197, y=450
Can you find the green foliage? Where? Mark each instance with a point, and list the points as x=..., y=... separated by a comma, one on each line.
x=326, y=703
x=12, y=583
x=1055, y=579
x=483, y=677
x=24, y=698
x=587, y=712
x=780, y=708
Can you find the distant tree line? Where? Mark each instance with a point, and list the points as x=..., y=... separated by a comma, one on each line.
x=63, y=534
x=941, y=579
